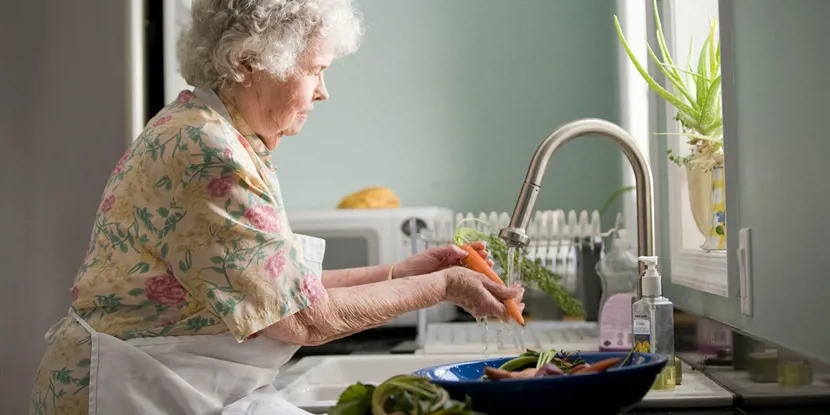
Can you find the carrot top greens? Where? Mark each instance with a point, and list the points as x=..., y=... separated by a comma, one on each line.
x=533, y=273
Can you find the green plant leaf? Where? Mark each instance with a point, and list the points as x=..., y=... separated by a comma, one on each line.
x=709, y=113
x=668, y=96
x=714, y=58
x=613, y=198
x=355, y=400
x=701, y=80
x=689, y=73
x=661, y=41
x=673, y=76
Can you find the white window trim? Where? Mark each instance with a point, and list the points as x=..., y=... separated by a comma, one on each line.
x=703, y=271
x=634, y=98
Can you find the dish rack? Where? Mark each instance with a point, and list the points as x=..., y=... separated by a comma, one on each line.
x=567, y=243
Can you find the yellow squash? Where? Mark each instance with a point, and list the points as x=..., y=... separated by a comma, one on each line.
x=371, y=198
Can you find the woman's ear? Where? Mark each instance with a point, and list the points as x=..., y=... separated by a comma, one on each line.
x=247, y=74
x=247, y=71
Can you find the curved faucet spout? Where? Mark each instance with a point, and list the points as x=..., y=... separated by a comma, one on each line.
x=515, y=235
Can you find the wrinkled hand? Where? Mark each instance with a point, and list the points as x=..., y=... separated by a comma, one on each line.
x=436, y=259
x=479, y=296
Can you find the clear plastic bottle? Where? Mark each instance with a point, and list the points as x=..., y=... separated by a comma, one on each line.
x=653, y=317
x=618, y=272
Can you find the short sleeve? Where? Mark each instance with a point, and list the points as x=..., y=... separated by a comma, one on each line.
x=231, y=247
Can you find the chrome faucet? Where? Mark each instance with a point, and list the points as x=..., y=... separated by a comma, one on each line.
x=515, y=234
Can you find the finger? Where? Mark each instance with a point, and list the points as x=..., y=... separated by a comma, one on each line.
x=501, y=292
x=518, y=298
x=506, y=317
x=450, y=254
x=483, y=253
x=496, y=309
x=455, y=249
x=478, y=246
x=486, y=307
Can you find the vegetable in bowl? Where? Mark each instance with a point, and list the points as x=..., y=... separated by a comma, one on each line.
x=533, y=364
x=400, y=395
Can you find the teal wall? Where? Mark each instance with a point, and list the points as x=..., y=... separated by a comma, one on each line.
x=446, y=101
x=777, y=172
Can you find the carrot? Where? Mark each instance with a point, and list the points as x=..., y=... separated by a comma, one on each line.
x=600, y=366
x=475, y=262
x=579, y=367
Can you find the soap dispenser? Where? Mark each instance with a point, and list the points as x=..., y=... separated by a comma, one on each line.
x=653, y=317
x=618, y=271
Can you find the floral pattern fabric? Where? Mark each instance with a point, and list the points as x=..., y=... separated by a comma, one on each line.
x=190, y=238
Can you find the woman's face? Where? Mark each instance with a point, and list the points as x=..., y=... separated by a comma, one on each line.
x=274, y=108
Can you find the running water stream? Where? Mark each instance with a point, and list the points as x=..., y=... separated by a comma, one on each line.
x=514, y=331
x=514, y=278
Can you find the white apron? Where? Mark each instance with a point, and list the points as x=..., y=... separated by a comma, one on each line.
x=192, y=375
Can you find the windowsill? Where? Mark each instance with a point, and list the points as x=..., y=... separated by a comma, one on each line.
x=702, y=271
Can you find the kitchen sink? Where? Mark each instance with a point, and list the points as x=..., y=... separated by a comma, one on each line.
x=345, y=370
x=315, y=383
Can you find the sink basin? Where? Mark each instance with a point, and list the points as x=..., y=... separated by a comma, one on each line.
x=315, y=383
x=317, y=388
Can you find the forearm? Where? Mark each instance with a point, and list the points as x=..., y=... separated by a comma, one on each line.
x=345, y=311
x=353, y=277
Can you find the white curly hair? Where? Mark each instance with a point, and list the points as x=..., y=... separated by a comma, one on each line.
x=268, y=35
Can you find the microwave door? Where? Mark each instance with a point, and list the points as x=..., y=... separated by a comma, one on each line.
x=348, y=249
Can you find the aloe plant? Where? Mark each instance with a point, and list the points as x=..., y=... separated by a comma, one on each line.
x=696, y=93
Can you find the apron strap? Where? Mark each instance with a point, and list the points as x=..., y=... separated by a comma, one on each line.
x=81, y=321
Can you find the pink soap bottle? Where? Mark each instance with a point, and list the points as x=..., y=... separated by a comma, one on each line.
x=618, y=271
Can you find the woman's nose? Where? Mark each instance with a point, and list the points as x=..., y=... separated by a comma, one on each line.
x=322, y=93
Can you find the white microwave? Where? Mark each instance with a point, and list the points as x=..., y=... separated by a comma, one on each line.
x=367, y=237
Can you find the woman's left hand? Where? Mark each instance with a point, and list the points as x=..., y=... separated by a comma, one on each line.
x=436, y=259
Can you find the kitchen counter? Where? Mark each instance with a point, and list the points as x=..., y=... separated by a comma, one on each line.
x=315, y=382
x=297, y=367
x=715, y=356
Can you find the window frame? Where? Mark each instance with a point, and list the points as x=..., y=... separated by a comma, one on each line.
x=692, y=268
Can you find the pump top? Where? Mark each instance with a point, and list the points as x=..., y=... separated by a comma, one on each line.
x=650, y=261
x=652, y=286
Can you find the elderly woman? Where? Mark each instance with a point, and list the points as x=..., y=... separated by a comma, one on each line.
x=194, y=291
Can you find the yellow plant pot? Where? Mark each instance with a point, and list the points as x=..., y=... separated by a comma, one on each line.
x=699, y=183
x=708, y=202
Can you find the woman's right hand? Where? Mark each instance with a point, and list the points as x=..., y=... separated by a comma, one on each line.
x=477, y=295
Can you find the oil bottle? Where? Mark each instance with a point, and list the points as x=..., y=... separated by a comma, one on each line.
x=654, y=324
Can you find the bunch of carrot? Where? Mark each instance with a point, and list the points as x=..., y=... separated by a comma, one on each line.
x=533, y=364
x=475, y=262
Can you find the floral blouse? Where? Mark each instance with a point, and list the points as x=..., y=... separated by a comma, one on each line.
x=190, y=238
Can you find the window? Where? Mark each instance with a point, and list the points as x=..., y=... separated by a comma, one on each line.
x=692, y=266
x=682, y=20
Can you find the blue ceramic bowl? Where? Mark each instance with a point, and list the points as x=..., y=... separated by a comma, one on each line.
x=609, y=392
